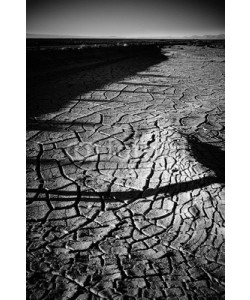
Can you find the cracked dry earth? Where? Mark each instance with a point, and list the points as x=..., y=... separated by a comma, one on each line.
x=125, y=189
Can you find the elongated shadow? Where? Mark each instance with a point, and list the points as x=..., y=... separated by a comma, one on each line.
x=91, y=196
x=133, y=92
x=208, y=155
x=51, y=125
x=50, y=92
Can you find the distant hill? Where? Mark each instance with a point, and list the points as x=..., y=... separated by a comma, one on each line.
x=50, y=36
x=206, y=37
x=55, y=36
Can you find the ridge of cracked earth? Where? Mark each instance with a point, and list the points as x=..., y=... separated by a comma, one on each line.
x=120, y=203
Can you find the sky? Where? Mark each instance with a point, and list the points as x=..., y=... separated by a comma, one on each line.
x=125, y=18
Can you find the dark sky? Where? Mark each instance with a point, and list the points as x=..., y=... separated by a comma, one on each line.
x=125, y=18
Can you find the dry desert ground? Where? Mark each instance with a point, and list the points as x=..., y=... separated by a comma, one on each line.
x=125, y=179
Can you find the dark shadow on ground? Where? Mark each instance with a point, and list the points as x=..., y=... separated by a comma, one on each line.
x=50, y=92
x=209, y=156
x=92, y=196
x=51, y=125
x=45, y=95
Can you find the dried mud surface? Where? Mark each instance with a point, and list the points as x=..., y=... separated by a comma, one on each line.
x=125, y=181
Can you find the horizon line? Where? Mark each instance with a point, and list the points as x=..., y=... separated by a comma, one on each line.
x=193, y=36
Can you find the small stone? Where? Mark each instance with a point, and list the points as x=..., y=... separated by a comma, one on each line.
x=194, y=211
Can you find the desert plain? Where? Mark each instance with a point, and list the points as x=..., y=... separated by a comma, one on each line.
x=125, y=178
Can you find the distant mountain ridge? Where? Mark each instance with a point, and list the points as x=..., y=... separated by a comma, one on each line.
x=52, y=36
x=206, y=37
x=55, y=36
